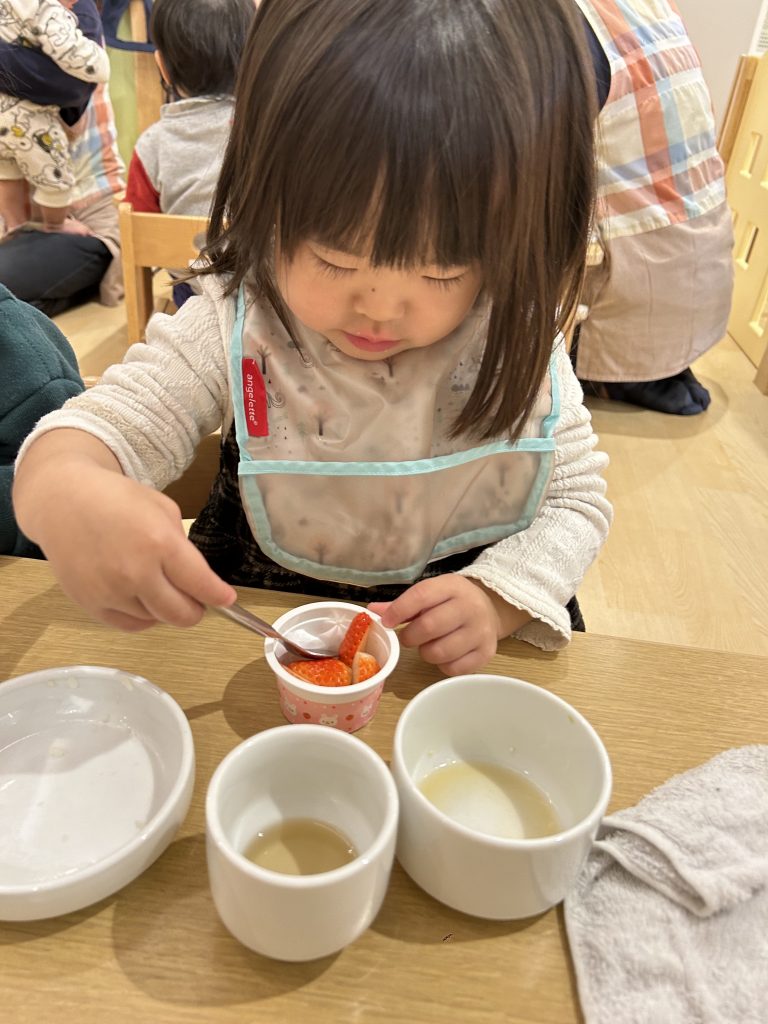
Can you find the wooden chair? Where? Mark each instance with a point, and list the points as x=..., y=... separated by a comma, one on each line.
x=747, y=185
x=191, y=490
x=148, y=241
x=737, y=101
x=149, y=90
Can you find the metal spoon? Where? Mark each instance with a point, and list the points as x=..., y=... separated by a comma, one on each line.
x=253, y=622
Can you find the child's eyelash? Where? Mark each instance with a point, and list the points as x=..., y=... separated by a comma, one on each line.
x=330, y=268
x=446, y=282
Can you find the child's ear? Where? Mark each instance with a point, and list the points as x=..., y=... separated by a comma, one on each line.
x=161, y=67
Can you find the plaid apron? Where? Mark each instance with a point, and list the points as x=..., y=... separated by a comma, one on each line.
x=657, y=160
x=662, y=298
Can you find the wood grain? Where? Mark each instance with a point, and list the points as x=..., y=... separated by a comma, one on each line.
x=156, y=951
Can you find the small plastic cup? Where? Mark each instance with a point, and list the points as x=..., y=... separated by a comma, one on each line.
x=321, y=626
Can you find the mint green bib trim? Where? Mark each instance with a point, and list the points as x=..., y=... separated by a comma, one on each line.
x=482, y=537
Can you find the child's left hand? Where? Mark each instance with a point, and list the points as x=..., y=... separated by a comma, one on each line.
x=454, y=621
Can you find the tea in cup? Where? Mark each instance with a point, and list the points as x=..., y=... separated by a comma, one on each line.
x=300, y=837
x=502, y=788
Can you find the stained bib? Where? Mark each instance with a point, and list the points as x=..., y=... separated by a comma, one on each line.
x=347, y=471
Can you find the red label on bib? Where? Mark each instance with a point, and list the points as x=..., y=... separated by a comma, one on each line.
x=254, y=400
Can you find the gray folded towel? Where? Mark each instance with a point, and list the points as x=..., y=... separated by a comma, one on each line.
x=668, y=922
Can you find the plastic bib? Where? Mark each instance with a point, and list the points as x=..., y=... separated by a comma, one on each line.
x=347, y=471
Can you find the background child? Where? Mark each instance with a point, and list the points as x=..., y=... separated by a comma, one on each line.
x=176, y=162
x=34, y=149
x=398, y=234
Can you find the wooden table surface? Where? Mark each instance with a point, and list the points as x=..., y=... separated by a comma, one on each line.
x=156, y=951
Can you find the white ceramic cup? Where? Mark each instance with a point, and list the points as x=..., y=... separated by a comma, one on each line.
x=282, y=774
x=516, y=725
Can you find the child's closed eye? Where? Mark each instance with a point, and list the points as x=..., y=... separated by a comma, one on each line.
x=446, y=282
x=334, y=270
x=331, y=269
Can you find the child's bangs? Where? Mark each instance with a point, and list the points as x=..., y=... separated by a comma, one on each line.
x=386, y=157
x=388, y=212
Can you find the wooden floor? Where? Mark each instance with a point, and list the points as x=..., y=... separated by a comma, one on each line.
x=687, y=558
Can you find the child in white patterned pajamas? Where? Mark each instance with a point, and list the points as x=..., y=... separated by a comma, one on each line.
x=34, y=149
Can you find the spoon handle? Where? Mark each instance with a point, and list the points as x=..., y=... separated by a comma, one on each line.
x=249, y=620
x=253, y=622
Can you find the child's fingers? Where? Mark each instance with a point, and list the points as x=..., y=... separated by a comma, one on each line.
x=434, y=623
x=166, y=603
x=471, y=661
x=378, y=607
x=412, y=602
x=121, y=620
x=187, y=570
x=448, y=647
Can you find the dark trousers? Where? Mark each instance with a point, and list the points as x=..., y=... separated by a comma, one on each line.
x=53, y=270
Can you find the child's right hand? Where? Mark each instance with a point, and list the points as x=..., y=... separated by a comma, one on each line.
x=117, y=547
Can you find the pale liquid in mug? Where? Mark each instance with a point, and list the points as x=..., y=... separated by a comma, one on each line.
x=300, y=846
x=490, y=799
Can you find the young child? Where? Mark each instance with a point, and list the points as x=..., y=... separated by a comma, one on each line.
x=34, y=148
x=398, y=235
x=176, y=161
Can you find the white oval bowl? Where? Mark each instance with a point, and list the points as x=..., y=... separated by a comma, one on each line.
x=97, y=767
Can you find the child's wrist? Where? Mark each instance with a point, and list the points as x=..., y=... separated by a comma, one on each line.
x=509, y=618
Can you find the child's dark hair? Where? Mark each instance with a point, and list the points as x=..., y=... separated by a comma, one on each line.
x=422, y=131
x=200, y=42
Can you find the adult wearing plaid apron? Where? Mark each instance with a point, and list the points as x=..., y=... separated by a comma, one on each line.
x=662, y=296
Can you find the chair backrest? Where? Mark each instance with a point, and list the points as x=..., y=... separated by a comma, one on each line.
x=747, y=185
x=149, y=90
x=191, y=490
x=150, y=240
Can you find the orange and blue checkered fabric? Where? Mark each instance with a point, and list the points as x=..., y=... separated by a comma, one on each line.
x=657, y=160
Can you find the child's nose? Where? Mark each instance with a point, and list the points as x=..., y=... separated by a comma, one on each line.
x=379, y=305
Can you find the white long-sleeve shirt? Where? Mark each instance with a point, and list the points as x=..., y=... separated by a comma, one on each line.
x=153, y=409
x=49, y=27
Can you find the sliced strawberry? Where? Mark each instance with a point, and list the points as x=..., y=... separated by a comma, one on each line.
x=324, y=672
x=364, y=666
x=355, y=637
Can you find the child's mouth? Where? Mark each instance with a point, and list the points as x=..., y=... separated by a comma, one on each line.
x=370, y=344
